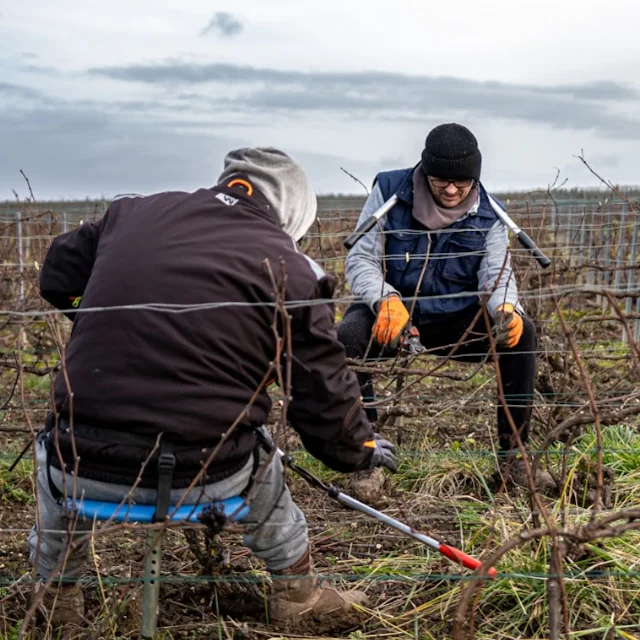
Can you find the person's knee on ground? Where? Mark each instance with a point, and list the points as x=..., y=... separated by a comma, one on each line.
x=368, y=484
x=517, y=372
x=354, y=332
x=517, y=469
x=519, y=360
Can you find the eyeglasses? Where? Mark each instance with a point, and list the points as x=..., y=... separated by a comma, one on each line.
x=442, y=183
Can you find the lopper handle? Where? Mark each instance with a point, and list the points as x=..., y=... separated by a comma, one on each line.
x=369, y=223
x=532, y=248
x=364, y=228
x=465, y=560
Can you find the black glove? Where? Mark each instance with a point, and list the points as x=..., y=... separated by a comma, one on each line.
x=384, y=454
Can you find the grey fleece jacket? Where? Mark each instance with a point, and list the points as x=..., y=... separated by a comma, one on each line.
x=364, y=269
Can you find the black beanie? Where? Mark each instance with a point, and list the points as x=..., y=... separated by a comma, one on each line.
x=451, y=151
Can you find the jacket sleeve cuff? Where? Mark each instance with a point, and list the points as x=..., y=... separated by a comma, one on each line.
x=497, y=301
x=387, y=290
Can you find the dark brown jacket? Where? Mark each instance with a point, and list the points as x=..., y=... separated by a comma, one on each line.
x=174, y=335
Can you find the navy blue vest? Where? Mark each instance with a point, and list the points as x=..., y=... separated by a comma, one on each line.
x=455, y=253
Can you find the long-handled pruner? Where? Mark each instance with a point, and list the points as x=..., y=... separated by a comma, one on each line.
x=333, y=492
x=501, y=214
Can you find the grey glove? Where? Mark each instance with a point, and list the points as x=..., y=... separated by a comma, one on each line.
x=384, y=454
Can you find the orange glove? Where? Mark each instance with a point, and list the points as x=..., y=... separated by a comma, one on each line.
x=509, y=326
x=392, y=318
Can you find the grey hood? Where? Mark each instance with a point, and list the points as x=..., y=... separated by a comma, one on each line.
x=281, y=180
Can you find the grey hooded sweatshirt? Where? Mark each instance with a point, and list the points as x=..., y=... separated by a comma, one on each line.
x=281, y=180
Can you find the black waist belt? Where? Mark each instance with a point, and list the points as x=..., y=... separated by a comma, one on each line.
x=123, y=437
x=165, y=466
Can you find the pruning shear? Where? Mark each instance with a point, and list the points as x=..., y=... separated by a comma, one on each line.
x=411, y=341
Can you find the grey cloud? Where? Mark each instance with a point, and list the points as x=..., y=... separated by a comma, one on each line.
x=10, y=90
x=586, y=106
x=179, y=72
x=189, y=74
x=59, y=125
x=555, y=111
x=393, y=161
x=40, y=68
x=223, y=23
x=175, y=134
x=602, y=90
x=77, y=150
x=74, y=151
x=27, y=61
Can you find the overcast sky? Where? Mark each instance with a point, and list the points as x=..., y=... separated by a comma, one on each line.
x=100, y=98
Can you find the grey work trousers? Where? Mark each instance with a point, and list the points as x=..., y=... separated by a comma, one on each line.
x=276, y=528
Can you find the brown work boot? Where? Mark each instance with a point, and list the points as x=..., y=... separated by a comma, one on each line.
x=62, y=607
x=513, y=469
x=296, y=597
x=367, y=485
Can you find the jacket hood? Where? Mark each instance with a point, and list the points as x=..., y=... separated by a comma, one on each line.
x=281, y=180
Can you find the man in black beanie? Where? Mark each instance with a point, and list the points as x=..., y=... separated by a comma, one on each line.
x=444, y=214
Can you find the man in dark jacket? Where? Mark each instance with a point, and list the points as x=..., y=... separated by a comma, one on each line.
x=442, y=244
x=172, y=337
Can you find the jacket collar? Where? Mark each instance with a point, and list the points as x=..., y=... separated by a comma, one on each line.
x=256, y=201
